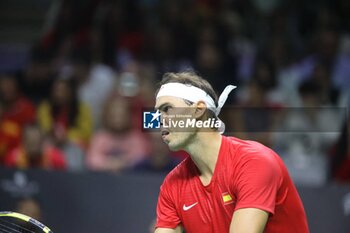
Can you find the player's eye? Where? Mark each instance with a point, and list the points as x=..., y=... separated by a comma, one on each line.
x=166, y=109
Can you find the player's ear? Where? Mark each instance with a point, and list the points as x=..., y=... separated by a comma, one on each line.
x=201, y=108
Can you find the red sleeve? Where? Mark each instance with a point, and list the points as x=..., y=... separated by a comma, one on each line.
x=167, y=216
x=258, y=180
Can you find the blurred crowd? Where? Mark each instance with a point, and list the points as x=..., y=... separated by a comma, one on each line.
x=77, y=104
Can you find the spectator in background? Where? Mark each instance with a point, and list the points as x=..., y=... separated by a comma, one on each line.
x=74, y=155
x=16, y=106
x=122, y=31
x=136, y=83
x=16, y=111
x=328, y=54
x=309, y=132
x=95, y=82
x=34, y=153
x=240, y=47
x=118, y=145
x=211, y=60
x=340, y=156
x=160, y=159
x=63, y=110
x=264, y=75
x=37, y=78
x=10, y=134
x=329, y=95
x=29, y=207
x=256, y=116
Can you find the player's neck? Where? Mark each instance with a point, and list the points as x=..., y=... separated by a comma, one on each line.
x=204, y=152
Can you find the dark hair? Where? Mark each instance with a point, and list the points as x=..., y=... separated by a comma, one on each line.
x=73, y=104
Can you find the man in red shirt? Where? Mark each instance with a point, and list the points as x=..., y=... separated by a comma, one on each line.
x=33, y=152
x=227, y=185
x=15, y=112
x=16, y=107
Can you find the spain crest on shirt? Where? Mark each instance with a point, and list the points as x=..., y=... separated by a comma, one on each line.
x=226, y=197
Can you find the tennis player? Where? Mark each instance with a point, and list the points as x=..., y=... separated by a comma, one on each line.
x=227, y=185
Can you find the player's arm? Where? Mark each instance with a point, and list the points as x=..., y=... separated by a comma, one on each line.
x=256, y=190
x=178, y=229
x=168, y=220
x=249, y=220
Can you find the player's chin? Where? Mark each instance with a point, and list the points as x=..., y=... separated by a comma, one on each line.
x=173, y=145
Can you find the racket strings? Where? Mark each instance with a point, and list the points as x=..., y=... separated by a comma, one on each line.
x=7, y=226
x=4, y=231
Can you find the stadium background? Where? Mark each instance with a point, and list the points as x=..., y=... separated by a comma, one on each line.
x=75, y=76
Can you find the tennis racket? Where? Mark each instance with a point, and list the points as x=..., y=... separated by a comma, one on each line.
x=12, y=222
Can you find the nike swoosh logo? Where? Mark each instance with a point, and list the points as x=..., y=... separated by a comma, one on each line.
x=185, y=208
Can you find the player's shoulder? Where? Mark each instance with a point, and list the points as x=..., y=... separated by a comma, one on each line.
x=180, y=173
x=246, y=149
x=245, y=145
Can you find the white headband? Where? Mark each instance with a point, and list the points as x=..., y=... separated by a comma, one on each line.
x=195, y=94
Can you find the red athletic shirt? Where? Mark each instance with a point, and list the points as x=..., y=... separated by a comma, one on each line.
x=247, y=175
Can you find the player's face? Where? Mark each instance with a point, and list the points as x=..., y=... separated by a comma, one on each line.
x=175, y=137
